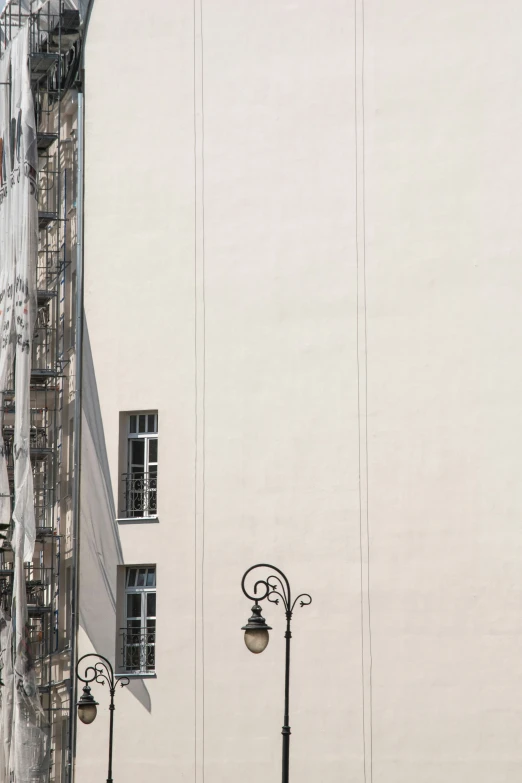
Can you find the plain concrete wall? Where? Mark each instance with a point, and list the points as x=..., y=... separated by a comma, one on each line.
x=303, y=245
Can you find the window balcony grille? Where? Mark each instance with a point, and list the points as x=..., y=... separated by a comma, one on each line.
x=138, y=649
x=140, y=494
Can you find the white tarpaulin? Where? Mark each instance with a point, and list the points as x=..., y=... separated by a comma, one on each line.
x=6, y=692
x=46, y=15
x=6, y=277
x=24, y=226
x=32, y=6
x=29, y=756
x=6, y=315
x=26, y=750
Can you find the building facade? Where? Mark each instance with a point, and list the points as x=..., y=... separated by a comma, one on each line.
x=301, y=255
x=284, y=245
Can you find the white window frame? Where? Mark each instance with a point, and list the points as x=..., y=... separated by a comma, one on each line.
x=143, y=591
x=147, y=436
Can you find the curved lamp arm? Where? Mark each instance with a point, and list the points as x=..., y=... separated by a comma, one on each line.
x=100, y=672
x=274, y=587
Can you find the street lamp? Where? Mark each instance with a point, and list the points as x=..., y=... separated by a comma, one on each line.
x=273, y=588
x=100, y=672
x=87, y=706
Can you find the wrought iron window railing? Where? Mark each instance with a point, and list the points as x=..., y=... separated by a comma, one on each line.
x=138, y=649
x=140, y=492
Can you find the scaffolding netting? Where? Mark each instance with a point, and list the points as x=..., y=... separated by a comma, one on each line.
x=33, y=6
x=25, y=740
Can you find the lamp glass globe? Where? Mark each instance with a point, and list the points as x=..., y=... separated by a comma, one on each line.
x=256, y=639
x=87, y=712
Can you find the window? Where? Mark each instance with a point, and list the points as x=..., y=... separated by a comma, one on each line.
x=67, y=626
x=140, y=483
x=139, y=633
x=63, y=748
x=72, y=312
x=70, y=447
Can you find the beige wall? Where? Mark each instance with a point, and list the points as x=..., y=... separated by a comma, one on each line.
x=302, y=247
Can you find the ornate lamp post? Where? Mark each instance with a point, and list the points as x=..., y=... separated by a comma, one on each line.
x=274, y=587
x=100, y=672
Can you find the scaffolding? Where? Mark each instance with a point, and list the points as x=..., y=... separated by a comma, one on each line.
x=55, y=41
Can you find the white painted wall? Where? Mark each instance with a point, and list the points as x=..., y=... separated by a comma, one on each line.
x=303, y=245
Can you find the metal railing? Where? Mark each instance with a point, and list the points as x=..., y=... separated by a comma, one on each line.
x=138, y=649
x=37, y=582
x=140, y=492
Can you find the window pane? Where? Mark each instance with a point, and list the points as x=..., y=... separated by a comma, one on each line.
x=153, y=486
x=142, y=420
x=137, y=453
x=132, y=656
x=151, y=577
x=131, y=577
x=150, y=633
x=132, y=425
x=152, y=423
x=132, y=645
x=151, y=604
x=135, y=491
x=150, y=649
x=133, y=605
x=141, y=577
x=153, y=450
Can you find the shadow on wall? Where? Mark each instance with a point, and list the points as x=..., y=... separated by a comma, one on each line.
x=100, y=546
